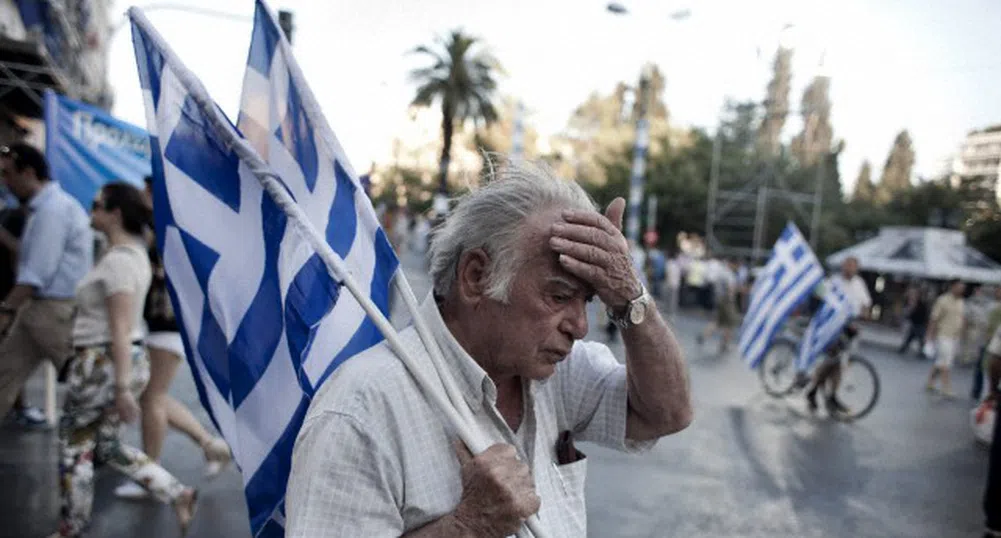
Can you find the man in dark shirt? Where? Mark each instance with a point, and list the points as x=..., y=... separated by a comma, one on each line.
x=918, y=318
x=11, y=225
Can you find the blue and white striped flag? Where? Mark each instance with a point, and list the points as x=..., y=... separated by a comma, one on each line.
x=825, y=326
x=263, y=321
x=786, y=280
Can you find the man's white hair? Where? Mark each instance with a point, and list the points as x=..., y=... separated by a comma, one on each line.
x=492, y=217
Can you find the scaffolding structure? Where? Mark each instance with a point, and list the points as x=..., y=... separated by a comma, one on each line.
x=737, y=218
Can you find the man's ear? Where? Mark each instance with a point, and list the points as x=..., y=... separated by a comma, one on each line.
x=472, y=276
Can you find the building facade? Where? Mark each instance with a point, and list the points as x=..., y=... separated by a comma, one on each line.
x=979, y=159
x=58, y=45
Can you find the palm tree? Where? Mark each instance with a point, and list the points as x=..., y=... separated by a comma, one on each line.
x=463, y=80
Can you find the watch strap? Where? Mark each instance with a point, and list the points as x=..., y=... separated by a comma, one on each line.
x=622, y=320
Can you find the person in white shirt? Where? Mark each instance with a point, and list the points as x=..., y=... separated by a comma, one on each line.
x=673, y=286
x=945, y=329
x=829, y=372
x=725, y=292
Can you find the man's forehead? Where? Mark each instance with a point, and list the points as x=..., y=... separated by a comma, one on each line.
x=539, y=256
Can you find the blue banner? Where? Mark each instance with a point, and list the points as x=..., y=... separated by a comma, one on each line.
x=86, y=148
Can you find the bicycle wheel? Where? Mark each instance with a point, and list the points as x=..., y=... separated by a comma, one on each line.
x=859, y=388
x=777, y=369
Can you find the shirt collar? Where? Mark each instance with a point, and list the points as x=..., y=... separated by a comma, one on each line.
x=474, y=383
x=42, y=195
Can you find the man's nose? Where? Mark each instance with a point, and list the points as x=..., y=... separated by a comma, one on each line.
x=575, y=322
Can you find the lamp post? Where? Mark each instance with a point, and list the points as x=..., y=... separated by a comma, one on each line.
x=636, y=178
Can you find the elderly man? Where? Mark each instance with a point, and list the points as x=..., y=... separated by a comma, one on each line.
x=514, y=267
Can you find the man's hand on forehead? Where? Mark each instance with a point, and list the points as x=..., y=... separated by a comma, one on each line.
x=591, y=247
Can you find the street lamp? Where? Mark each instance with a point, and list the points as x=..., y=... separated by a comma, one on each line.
x=619, y=9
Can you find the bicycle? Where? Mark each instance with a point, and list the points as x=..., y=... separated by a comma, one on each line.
x=859, y=387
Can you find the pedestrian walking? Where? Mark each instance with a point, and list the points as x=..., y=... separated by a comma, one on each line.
x=55, y=251
x=993, y=322
x=673, y=280
x=656, y=271
x=12, y=219
x=918, y=312
x=110, y=369
x=945, y=330
x=725, y=290
x=992, y=493
x=160, y=410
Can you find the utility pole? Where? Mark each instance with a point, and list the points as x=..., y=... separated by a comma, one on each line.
x=714, y=186
x=518, y=137
x=636, y=180
x=818, y=200
x=760, y=220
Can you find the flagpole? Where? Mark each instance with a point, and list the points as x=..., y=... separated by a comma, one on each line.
x=434, y=350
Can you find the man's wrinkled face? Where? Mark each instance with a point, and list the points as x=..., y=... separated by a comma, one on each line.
x=546, y=309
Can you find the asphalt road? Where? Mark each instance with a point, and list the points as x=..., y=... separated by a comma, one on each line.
x=749, y=466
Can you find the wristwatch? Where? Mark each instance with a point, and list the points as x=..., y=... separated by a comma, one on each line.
x=635, y=311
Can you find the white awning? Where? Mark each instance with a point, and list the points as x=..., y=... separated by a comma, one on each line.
x=932, y=253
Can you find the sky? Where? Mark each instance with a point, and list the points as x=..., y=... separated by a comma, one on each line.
x=928, y=66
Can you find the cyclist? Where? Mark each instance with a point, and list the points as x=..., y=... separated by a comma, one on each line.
x=829, y=371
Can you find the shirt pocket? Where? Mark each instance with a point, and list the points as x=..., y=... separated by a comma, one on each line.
x=570, y=480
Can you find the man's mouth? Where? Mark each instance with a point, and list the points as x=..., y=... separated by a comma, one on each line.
x=557, y=354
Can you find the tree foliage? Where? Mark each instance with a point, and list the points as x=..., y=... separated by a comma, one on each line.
x=776, y=104
x=462, y=79
x=865, y=191
x=815, y=140
x=604, y=124
x=896, y=176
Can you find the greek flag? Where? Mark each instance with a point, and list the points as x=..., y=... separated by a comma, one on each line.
x=786, y=280
x=825, y=326
x=263, y=321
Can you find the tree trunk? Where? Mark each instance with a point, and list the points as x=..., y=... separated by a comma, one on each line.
x=446, y=147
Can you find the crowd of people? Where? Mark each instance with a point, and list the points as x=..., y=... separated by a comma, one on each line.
x=88, y=293
x=955, y=325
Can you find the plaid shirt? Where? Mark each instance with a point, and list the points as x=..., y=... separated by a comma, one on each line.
x=373, y=458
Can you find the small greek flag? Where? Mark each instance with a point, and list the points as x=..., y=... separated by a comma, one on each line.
x=786, y=280
x=263, y=321
x=825, y=326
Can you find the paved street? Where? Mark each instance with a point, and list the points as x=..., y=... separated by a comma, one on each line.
x=749, y=466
